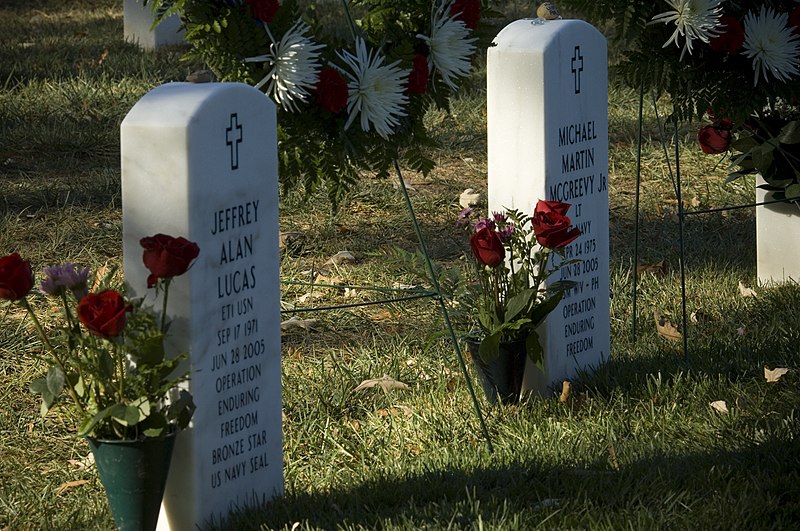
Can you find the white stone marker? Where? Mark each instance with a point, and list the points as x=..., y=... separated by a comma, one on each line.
x=200, y=161
x=138, y=26
x=548, y=139
x=777, y=234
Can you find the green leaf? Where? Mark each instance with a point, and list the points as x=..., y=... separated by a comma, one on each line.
x=763, y=156
x=541, y=312
x=534, y=349
x=520, y=303
x=150, y=351
x=489, y=348
x=39, y=387
x=55, y=380
x=793, y=191
x=790, y=134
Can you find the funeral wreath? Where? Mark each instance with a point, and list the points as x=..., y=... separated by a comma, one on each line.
x=511, y=261
x=733, y=63
x=351, y=80
x=106, y=352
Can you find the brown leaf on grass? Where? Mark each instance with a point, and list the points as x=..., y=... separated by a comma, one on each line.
x=70, y=484
x=295, y=323
x=699, y=316
x=341, y=257
x=773, y=375
x=720, y=406
x=744, y=291
x=612, y=457
x=386, y=382
x=395, y=411
x=665, y=328
x=657, y=268
x=565, y=390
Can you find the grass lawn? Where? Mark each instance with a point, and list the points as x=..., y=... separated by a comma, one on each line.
x=637, y=445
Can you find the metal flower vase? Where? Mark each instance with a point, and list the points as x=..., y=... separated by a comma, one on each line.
x=134, y=474
x=501, y=378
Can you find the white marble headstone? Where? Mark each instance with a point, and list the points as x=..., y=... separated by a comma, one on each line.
x=200, y=161
x=138, y=26
x=548, y=139
x=777, y=231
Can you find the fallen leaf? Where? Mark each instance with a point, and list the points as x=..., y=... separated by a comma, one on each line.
x=402, y=286
x=695, y=202
x=744, y=291
x=565, y=390
x=290, y=240
x=740, y=331
x=341, y=257
x=386, y=383
x=313, y=295
x=657, y=268
x=69, y=484
x=295, y=322
x=103, y=56
x=612, y=457
x=699, y=316
x=394, y=411
x=720, y=406
x=665, y=328
x=470, y=198
x=773, y=375
x=410, y=187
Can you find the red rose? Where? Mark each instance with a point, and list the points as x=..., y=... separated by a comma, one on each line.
x=103, y=313
x=732, y=37
x=331, y=90
x=551, y=225
x=16, y=277
x=714, y=140
x=487, y=247
x=468, y=11
x=418, y=78
x=264, y=10
x=794, y=19
x=166, y=256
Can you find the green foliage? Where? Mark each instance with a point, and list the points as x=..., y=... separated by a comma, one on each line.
x=317, y=149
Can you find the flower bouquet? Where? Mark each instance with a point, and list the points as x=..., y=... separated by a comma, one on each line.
x=107, y=354
x=351, y=80
x=512, y=254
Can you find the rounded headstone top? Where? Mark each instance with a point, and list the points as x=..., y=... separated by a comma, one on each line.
x=176, y=103
x=538, y=34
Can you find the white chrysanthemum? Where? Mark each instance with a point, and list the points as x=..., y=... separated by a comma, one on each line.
x=771, y=44
x=694, y=19
x=294, y=66
x=450, y=45
x=376, y=92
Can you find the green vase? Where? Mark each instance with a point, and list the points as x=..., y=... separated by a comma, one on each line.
x=134, y=474
x=501, y=378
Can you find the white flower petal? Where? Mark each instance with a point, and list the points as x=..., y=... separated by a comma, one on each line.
x=694, y=19
x=450, y=45
x=376, y=92
x=772, y=45
x=294, y=67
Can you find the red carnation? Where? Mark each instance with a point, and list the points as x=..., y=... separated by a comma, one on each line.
x=714, y=139
x=732, y=37
x=551, y=225
x=331, y=90
x=467, y=11
x=264, y=10
x=794, y=20
x=418, y=78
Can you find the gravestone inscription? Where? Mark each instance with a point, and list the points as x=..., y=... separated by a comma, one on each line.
x=200, y=161
x=547, y=105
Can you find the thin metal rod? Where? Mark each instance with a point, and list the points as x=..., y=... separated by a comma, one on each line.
x=634, y=295
x=359, y=304
x=681, y=242
x=737, y=207
x=445, y=315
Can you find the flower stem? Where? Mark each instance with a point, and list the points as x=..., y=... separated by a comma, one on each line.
x=40, y=331
x=164, y=304
x=350, y=22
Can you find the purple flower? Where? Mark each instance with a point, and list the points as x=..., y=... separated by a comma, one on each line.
x=463, y=217
x=506, y=232
x=499, y=218
x=484, y=223
x=67, y=276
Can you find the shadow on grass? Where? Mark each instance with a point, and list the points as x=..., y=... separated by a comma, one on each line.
x=760, y=490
